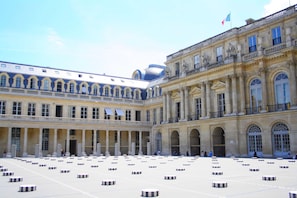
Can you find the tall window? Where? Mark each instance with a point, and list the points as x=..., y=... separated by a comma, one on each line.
x=252, y=43
x=177, y=111
x=219, y=54
x=117, y=92
x=32, y=83
x=148, y=115
x=95, y=90
x=18, y=82
x=254, y=140
x=197, y=108
x=71, y=88
x=177, y=69
x=84, y=112
x=46, y=84
x=45, y=110
x=137, y=116
x=256, y=94
x=196, y=61
x=3, y=81
x=276, y=36
x=221, y=104
x=31, y=109
x=116, y=115
x=72, y=111
x=83, y=89
x=137, y=94
x=128, y=114
x=161, y=115
x=16, y=138
x=59, y=86
x=45, y=139
x=2, y=107
x=17, y=108
x=95, y=113
x=155, y=116
x=282, y=89
x=281, y=139
x=106, y=91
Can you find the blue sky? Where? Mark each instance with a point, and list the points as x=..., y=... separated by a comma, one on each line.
x=115, y=37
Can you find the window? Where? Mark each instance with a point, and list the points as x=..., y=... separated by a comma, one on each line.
x=148, y=115
x=219, y=54
x=72, y=132
x=106, y=91
x=17, y=108
x=137, y=116
x=16, y=138
x=84, y=112
x=128, y=114
x=95, y=90
x=18, y=82
x=116, y=115
x=117, y=92
x=2, y=107
x=221, y=104
x=137, y=94
x=177, y=69
x=128, y=93
x=254, y=140
x=83, y=89
x=3, y=81
x=59, y=111
x=107, y=113
x=46, y=84
x=3, y=65
x=281, y=140
x=45, y=139
x=256, y=94
x=45, y=110
x=276, y=36
x=177, y=111
x=32, y=83
x=196, y=61
x=197, y=108
x=161, y=115
x=31, y=109
x=72, y=111
x=95, y=113
x=71, y=88
x=59, y=86
x=282, y=89
x=154, y=116
x=252, y=43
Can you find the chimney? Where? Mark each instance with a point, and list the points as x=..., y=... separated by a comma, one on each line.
x=249, y=21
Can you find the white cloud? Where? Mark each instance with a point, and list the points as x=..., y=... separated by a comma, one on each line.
x=53, y=38
x=277, y=5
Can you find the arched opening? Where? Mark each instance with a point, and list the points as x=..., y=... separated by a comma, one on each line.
x=194, y=142
x=254, y=141
x=281, y=140
x=158, y=143
x=218, y=138
x=175, y=143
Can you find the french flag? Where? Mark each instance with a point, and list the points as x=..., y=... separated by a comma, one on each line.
x=228, y=18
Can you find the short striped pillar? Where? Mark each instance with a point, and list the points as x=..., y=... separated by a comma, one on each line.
x=82, y=175
x=293, y=194
x=254, y=169
x=217, y=172
x=150, y=193
x=268, y=178
x=27, y=188
x=8, y=173
x=219, y=184
x=15, y=179
x=64, y=171
x=136, y=172
x=108, y=182
x=52, y=167
x=284, y=166
x=170, y=177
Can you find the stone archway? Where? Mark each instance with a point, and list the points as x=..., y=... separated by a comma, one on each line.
x=194, y=142
x=175, y=143
x=218, y=140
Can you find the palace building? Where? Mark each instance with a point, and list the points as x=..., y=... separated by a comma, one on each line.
x=233, y=94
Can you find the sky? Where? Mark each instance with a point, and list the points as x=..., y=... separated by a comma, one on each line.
x=115, y=37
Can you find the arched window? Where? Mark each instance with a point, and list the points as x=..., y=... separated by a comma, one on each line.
x=137, y=94
x=254, y=140
x=128, y=93
x=3, y=81
x=255, y=95
x=95, y=90
x=18, y=82
x=106, y=91
x=281, y=140
x=59, y=86
x=71, y=87
x=32, y=84
x=282, y=89
x=46, y=84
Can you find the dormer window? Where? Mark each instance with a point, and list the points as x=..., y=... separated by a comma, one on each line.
x=276, y=36
x=219, y=54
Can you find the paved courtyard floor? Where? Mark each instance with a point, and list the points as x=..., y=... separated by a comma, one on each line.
x=138, y=176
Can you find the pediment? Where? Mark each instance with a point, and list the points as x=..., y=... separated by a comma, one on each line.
x=175, y=94
x=195, y=91
x=218, y=85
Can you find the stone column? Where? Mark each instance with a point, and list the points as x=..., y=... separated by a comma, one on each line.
x=107, y=143
x=264, y=88
x=55, y=143
x=25, y=154
x=68, y=143
x=292, y=83
x=234, y=95
x=83, y=142
x=119, y=141
x=227, y=97
x=168, y=108
x=288, y=37
x=140, y=143
x=186, y=103
x=208, y=99
x=242, y=94
x=164, y=108
x=95, y=142
x=203, y=100
x=8, y=146
x=129, y=142
x=40, y=142
x=182, y=104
